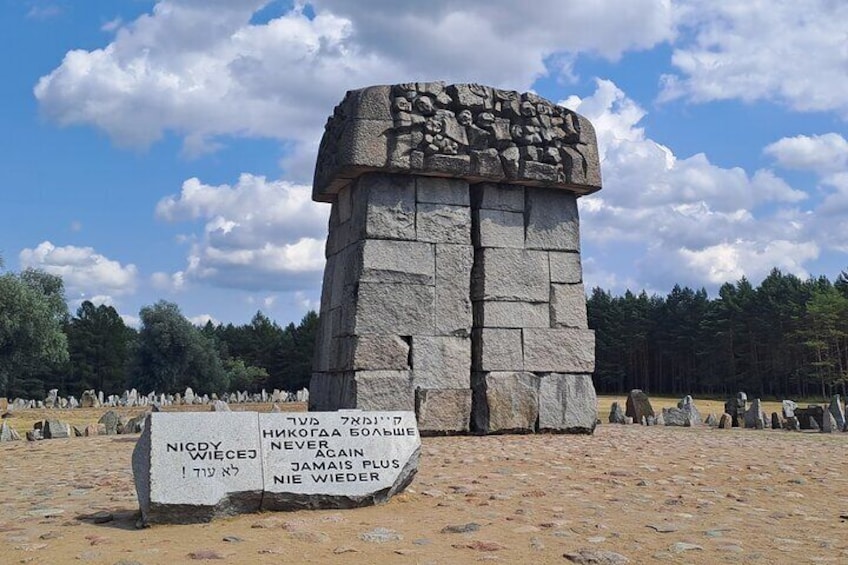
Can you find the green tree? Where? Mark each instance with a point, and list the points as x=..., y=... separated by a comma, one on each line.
x=32, y=311
x=99, y=344
x=172, y=354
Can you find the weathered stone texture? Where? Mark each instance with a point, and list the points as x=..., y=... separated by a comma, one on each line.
x=568, y=306
x=453, y=315
x=443, y=410
x=442, y=223
x=491, y=314
x=559, y=350
x=497, y=228
x=441, y=362
x=552, y=221
x=565, y=267
x=505, y=197
x=506, y=402
x=402, y=309
x=567, y=403
x=385, y=261
x=496, y=349
x=510, y=274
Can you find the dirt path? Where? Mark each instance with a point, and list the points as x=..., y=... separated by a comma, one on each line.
x=676, y=495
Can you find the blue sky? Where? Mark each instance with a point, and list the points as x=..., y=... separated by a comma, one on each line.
x=164, y=150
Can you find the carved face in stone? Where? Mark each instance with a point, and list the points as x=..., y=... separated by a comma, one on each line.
x=528, y=110
x=424, y=105
x=402, y=104
x=465, y=118
x=433, y=126
x=485, y=120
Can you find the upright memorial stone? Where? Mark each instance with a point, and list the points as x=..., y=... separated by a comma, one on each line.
x=453, y=271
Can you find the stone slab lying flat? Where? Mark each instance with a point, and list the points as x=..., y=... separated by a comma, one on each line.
x=196, y=466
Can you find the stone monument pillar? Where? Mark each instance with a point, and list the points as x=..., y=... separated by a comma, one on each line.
x=453, y=284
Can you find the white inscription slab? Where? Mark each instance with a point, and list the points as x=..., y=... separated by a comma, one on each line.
x=336, y=459
x=194, y=466
x=191, y=466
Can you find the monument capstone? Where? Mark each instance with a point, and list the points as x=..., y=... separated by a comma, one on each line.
x=453, y=284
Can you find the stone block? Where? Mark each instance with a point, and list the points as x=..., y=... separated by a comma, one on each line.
x=511, y=275
x=496, y=350
x=494, y=314
x=552, y=220
x=567, y=403
x=384, y=390
x=54, y=429
x=559, y=350
x=387, y=261
x=441, y=362
x=194, y=466
x=372, y=352
x=443, y=223
x=568, y=306
x=443, y=411
x=506, y=197
x=330, y=391
x=399, y=309
x=453, y=314
x=359, y=145
x=437, y=190
x=565, y=267
x=336, y=459
x=497, y=228
x=383, y=207
x=588, y=147
x=505, y=402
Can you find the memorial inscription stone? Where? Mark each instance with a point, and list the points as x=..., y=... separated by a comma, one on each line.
x=193, y=467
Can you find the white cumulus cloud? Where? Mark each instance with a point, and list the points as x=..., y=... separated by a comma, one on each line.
x=683, y=219
x=789, y=51
x=257, y=234
x=204, y=73
x=86, y=273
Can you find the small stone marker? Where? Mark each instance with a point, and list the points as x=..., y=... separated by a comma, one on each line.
x=193, y=467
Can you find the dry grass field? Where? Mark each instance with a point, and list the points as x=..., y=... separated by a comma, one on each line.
x=650, y=494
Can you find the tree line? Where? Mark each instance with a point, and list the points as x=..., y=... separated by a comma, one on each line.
x=43, y=347
x=786, y=338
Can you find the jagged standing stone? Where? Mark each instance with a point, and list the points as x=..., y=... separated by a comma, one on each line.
x=725, y=422
x=712, y=420
x=616, y=415
x=54, y=429
x=7, y=433
x=754, y=416
x=776, y=421
x=638, y=405
x=837, y=412
x=788, y=407
x=110, y=419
